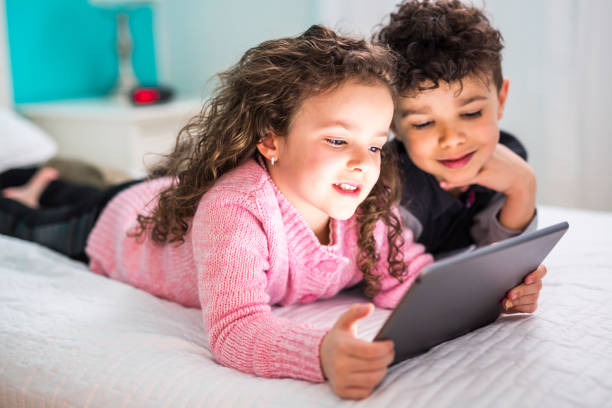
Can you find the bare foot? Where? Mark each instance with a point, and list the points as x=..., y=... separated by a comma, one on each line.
x=29, y=193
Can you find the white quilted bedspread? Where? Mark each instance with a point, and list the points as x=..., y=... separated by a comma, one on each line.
x=70, y=338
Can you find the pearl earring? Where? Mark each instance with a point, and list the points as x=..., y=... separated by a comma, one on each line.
x=272, y=160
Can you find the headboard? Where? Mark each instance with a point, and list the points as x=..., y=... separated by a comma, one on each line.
x=6, y=89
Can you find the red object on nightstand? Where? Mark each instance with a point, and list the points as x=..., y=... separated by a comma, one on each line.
x=150, y=95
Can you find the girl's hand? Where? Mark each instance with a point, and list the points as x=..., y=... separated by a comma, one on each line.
x=353, y=366
x=524, y=297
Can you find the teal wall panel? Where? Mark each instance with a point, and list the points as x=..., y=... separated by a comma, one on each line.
x=199, y=38
x=65, y=49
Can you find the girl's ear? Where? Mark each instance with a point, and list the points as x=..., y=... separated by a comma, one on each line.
x=502, y=95
x=268, y=146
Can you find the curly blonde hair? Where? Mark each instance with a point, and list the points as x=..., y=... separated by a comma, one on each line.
x=262, y=93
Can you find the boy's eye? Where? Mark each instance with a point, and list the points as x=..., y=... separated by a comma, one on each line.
x=422, y=125
x=335, y=142
x=472, y=114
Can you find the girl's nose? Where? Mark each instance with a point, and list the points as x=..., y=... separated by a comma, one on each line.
x=359, y=160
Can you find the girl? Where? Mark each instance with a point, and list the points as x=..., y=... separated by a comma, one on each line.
x=279, y=192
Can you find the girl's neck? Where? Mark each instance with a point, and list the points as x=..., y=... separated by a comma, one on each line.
x=322, y=232
x=318, y=223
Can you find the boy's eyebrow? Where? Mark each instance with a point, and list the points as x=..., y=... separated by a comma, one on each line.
x=470, y=99
x=407, y=112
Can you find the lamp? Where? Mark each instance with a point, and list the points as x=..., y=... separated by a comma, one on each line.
x=126, y=80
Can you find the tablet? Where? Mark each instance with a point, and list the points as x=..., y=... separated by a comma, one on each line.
x=463, y=292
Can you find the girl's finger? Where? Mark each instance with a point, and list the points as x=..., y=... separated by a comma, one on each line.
x=360, y=365
x=367, y=350
x=356, y=393
x=348, y=319
x=366, y=379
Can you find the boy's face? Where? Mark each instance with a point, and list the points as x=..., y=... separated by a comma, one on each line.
x=451, y=132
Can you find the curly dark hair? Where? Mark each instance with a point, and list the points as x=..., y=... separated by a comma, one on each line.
x=262, y=93
x=441, y=41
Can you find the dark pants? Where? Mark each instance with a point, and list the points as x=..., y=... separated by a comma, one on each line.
x=66, y=215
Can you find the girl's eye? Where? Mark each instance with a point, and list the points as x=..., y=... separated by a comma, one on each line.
x=472, y=114
x=335, y=142
x=375, y=149
x=422, y=125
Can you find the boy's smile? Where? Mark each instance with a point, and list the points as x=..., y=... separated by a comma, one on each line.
x=457, y=162
x=451, y=131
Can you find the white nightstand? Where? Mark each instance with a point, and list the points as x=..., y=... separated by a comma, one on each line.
x=110, y=133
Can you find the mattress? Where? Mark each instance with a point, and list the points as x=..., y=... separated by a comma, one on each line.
x=71, y=338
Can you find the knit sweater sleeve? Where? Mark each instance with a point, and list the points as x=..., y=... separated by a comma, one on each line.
x=415, y=258
x=231, y=250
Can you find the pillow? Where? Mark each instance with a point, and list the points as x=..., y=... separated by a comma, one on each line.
x=22, y=143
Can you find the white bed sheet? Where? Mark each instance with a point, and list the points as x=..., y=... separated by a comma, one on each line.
x=70, y=338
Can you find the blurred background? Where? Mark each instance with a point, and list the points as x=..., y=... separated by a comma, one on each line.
x=55, y=56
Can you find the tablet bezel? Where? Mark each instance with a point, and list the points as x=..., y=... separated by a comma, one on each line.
x=476, y=308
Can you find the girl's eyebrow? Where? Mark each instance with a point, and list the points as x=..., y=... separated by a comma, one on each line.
x=338, y=123
x=347, y=126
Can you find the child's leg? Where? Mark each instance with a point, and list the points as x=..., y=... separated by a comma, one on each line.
x=17, y=177
x=30, y=192
x=60, y=193
x=64, y=228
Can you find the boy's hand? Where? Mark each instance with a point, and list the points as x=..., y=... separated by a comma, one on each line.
x=524, y=297
x=353, y=366
x=506, y=172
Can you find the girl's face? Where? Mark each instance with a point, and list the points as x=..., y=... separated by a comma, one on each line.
x=330, y=159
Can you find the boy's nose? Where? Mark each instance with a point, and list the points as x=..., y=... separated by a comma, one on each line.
x=451, y=138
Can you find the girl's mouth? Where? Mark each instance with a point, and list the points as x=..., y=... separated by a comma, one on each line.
x=347, y=188
x=458, y=162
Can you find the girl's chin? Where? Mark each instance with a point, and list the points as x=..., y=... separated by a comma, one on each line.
x=342, y=215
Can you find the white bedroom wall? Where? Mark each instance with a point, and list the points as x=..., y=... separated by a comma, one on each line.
x=558, y=56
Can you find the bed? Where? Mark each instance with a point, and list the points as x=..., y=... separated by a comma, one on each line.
x=70, y=338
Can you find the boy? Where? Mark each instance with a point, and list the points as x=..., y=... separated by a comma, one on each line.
x=464, y=182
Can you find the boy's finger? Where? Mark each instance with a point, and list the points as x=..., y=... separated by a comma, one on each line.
x=539, y=273
x=347, y=320
x=448, y=186
x=529, y=308
x=526, y=300
x=522, y=290
x=512, y=305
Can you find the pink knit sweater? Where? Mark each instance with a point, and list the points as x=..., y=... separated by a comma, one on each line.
x=247, y=249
